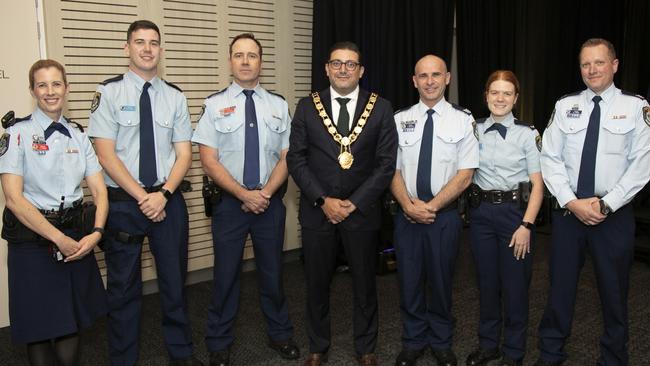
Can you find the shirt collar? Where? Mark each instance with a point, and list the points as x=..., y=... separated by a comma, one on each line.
x=439, y=108
x=508, y=121
x=354, y=95
x=139, y=82
x=44, y=121
x=607, y=95
x=237, y=89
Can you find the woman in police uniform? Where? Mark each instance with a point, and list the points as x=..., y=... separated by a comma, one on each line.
x=503, y=208
x=55, y=288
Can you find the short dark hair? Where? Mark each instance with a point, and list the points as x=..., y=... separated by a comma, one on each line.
x=593, y=42
x=250, y=36
x=345, y=45
x=141, y=24
x=45, y=64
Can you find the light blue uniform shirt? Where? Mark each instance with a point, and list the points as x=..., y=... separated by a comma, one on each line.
x=455, y=146
x=623, y=156
x=117, y=118
x=56, y=172
x=505, y=163
x=222, y=126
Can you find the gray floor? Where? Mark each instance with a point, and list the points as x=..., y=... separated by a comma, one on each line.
x=250, y=349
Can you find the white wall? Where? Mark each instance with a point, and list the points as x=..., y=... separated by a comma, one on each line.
x=20, y=44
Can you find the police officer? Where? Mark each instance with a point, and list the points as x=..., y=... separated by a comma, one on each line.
x=503, y=208
x=594, y=159
x=142, y=132
x=55, y=288
x=243, y=134
x=437, y=155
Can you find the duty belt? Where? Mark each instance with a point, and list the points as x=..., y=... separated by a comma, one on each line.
x=498, y=197
x=118, y=194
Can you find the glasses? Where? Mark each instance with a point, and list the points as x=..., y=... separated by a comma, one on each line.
x=350, y=65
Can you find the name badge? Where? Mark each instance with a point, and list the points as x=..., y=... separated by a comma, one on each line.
x=619, y=116
x=127, y=108
x=72, y=151
x=574, y=112
x=408, y=126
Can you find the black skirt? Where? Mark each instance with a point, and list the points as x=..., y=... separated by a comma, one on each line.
x=49, y=299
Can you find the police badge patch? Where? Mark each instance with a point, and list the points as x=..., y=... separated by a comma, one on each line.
x=96, y=99
x=550, y=120
x=475, y=129
x=408, y=126
x=538, y=142
x=4, y=143
x=646, y=115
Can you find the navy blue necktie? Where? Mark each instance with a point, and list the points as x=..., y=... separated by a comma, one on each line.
x=501, y=129
x=251, y=145
x=54, y=126
x=587, y=176
x=148, y=173
x=423, y=182
x=343, y=122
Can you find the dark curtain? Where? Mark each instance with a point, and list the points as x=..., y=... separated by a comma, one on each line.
x=392, y=36
x=540, y=42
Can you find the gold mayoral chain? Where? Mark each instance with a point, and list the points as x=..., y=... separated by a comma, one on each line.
x=345, y=156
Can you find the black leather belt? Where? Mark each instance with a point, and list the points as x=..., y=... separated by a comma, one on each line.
x=118, y=194
x=498, y=197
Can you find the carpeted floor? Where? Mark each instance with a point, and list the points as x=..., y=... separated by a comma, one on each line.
x=250, y=344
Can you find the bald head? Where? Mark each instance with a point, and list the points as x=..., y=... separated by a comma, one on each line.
x=430, y=79
x=428, y=60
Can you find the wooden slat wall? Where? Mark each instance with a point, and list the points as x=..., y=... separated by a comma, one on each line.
x=88, y=37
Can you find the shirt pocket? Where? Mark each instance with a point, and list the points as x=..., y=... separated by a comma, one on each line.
x=617, y=136
x=409, y=143
x=230, y=134
x=129, y=130
x=164, y=125
x=575, y=136
x=275, y=129
x=445, y=146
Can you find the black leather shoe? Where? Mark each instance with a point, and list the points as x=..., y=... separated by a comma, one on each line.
x=287, y=349
x=445, y=357
x=541, y=362
x=507, y=361
x=220, y=358
x=190, y=361
x=408, y=357
x=482, y=356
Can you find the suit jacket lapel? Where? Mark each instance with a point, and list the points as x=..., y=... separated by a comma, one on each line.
x=361, y=106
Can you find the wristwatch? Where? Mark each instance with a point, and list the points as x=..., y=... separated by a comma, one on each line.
x=604, y=207
x=99, y=230
x=528, y=225
x=167, y=194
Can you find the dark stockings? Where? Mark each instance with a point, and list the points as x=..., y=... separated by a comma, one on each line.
x=62, y=351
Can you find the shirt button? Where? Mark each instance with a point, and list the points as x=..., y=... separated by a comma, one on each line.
x=228, y=128
x=128, y=122
x=571, y=128
x=406, y=142
x=251, y=125
x=166, y=123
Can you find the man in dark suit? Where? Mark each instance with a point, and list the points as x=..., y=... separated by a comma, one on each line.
x=342, y=168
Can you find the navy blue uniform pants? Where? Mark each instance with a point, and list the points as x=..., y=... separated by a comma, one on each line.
x=426, y=257
x=168, y=241
x=502, y=279
x=611, y=246
x=319, y=249
x=230, y=228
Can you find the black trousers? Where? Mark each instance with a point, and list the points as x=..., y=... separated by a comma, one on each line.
x=319, y=249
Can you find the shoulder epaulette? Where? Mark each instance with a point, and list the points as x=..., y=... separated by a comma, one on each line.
x=525, y=124
x=276, y=94
x=173, y=86
x=10, y=119
x=113, y=79
x=624, y=92
x=216, y=93
x=465, y=110
x=74, y=123
x=481, y=120
x=570, y=95
x=401, y=110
